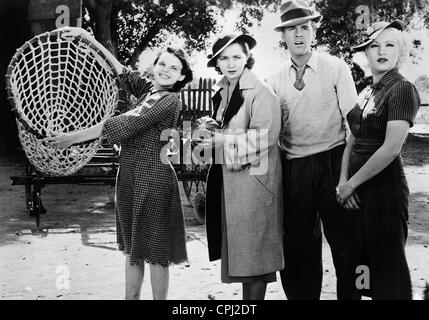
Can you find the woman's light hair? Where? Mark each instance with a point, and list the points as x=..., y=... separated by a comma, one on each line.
x=404, y=42
x=404, y=46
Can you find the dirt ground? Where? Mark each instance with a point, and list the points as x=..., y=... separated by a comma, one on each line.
x=74, y=254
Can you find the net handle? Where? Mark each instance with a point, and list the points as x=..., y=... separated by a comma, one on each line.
x=15, y=60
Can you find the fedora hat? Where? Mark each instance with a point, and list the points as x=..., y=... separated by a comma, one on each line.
x=295, y=12
x=374, y=31
x=224, y=41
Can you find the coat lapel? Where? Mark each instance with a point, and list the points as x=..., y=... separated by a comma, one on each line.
x=247, y=81
x=234, y=105
x=217, y=98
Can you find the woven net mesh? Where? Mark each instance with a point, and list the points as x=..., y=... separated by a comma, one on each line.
x=59, y=86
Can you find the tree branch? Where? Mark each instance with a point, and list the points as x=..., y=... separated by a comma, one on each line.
x=143, y=44
x=152, y=32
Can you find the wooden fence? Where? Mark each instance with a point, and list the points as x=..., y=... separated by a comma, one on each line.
x=197, y=101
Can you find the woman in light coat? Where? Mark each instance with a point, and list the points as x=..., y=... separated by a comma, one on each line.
x=244, y=187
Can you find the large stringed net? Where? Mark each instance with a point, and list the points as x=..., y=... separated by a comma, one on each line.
x=58, y=85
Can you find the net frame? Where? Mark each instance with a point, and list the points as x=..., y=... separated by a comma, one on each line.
x=60, y=85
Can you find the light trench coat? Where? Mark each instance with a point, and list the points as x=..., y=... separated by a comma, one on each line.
x=251, y=176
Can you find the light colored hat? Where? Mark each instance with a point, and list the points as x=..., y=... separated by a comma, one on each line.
x=295, y=12
x=374, y=31
x=224, y=41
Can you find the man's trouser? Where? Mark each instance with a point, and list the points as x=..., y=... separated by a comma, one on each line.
x=309, y=195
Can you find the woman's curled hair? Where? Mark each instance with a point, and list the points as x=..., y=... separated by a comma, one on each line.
x=186, y=68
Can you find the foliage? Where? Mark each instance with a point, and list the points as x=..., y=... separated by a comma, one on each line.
x=139, y=24
x=143, y=24
x=252, y=13
x=136, y=25
x=340, y=30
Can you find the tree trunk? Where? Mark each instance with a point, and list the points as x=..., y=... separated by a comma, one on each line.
x=100, y=13
x=152, y=32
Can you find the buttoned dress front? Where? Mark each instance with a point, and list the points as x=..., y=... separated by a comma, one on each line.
x=149, y=218
x=253, y=202
x=379, y=230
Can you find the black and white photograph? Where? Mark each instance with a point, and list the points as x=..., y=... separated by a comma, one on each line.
x=214, y=150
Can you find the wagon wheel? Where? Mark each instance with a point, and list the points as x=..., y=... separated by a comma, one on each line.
x=187, y=187
x=190, y=186
x=200, y=207
x=199, y=201
x=200, y=186
x=197, y=186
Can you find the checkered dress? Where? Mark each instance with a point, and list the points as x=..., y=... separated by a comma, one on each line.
x=149, y=217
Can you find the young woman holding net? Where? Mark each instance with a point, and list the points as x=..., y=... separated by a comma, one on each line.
x=149, y=217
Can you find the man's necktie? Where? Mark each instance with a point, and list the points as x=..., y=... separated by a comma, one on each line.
x=299, y=82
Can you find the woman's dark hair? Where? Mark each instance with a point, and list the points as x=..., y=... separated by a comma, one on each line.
x=250, y=60
x=186, y=68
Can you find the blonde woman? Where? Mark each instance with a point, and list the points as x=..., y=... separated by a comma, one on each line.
x=373, y=185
